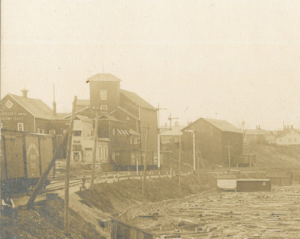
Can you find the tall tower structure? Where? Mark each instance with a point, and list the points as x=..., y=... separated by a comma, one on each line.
x=104, y=92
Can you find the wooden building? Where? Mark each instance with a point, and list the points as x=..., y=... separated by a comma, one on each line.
x=255, y=136
x=22, y=113
x=289, y=136
x=215, y=139
x=280, y=178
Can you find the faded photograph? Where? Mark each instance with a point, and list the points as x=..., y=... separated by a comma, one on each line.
x=127, y=119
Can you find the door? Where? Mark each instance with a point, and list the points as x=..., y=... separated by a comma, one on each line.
x=88, y=155
x=32, y=156
x=76, y=156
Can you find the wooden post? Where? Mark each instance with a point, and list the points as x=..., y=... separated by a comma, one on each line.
x=179, y=157
x=94, y=151
x=229, y=156
x=67, y=176
x=145, y=164
x=43, y=178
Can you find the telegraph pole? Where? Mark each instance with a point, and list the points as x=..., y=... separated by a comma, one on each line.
x=94, y=151
x=145, y=164
x=67, y=177
x=158, y=144
x=170, y=118
x=228, y=155
x=179, y=157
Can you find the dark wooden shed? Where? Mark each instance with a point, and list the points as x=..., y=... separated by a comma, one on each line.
x=215, y=139
x=280, y=178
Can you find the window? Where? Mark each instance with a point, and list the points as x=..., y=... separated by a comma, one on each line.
x=135, y=140
x=20, y=127
x=131, y=140
x=76, y=156
x=43, y=131
x=103, y=94
x=77, y=133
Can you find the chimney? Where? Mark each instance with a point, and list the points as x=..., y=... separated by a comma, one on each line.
x=54, y=108
x=54, y=103
x=24, y=93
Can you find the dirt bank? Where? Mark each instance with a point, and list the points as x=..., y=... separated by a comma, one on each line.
x=275, y=156
x=46, y=220
x=116, y=197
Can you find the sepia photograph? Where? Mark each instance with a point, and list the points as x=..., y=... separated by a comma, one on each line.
x=160, y=119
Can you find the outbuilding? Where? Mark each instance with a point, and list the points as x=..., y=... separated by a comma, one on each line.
x=215, y=139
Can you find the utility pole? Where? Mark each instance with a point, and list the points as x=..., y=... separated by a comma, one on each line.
x=179, y=157
x=158, y=144
x=170, y=118
x=67, y=176
x=228, y=155
x=194, y=147
x=145, y=163
x=94, y=151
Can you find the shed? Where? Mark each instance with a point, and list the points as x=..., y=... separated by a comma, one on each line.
x=280, y=178
x=216, y=139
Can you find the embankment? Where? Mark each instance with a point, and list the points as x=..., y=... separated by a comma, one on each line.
x=115, y=198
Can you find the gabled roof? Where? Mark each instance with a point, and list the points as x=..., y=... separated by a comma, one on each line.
x=128, y=113
x=36, y=107
x=255, y=132
x=286, y=131
x=222, y=125
x=83, y=118
x=176, y=131
x=76, y=112
x=137, y=99
x=103, y=77
x=109, y=117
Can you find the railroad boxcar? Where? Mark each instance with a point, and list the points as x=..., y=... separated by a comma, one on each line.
x=24, y=158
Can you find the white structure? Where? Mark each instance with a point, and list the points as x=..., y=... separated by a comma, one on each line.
x=289, y=136
x=83, y=142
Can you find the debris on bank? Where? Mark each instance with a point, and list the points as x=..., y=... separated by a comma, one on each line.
x=45, y=220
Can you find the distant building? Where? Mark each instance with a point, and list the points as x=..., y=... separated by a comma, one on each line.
x=22, y=113
x=171, y=136
x=255, y=136
x=122, y=118
x=289, y=136
x=213, y=137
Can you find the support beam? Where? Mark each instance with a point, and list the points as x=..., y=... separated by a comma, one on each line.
x=158, y=152
x=43, y=178
x=94, y=152
x=67, y=176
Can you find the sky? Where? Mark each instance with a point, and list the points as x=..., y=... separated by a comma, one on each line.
x=225, y=59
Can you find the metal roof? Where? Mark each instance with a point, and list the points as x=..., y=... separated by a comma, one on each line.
x=137, y=99
x=36, y=107
x=103, y=77
x=222, y=125
x=255, y=132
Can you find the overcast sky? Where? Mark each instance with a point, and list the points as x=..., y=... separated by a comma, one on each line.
x=234, y=60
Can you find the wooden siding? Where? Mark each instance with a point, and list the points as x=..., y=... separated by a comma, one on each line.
x=113, y=94
x=10, y=117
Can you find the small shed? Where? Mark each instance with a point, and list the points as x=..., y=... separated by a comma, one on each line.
x=253, y=185
x=280, y=178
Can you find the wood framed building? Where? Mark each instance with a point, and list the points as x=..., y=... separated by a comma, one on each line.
x=215, y=139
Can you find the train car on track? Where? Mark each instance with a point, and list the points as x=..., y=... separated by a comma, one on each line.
x=24, y=158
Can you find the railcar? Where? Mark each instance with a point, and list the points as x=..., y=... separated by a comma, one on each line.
x=24, y=158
